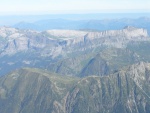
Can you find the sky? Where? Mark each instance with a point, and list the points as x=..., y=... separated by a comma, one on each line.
x=25, y=7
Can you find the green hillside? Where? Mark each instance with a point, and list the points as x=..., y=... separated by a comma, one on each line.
x=31, y=90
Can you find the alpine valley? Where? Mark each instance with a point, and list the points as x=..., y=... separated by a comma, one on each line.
x=75, y=71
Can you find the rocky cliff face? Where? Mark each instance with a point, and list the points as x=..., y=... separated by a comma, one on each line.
x=33, y=90
x=15, y=40
x=64, y=41
x=63, y=51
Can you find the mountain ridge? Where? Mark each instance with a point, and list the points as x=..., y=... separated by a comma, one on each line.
x=28, y=48
x=39, y=93
x=26, y=39
x=92, y=24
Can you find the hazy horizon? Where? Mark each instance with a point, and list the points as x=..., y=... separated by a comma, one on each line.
x=36, y=7
x=14, y=19
x=35, y=10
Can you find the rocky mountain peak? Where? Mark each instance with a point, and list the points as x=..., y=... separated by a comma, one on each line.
x=7, y=31
x=139, y=68
x=135, y=32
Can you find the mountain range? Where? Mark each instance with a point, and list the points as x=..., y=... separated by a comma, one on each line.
x=75, y=71
x=33, y=90
x=71, y=52
x=85, y=24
